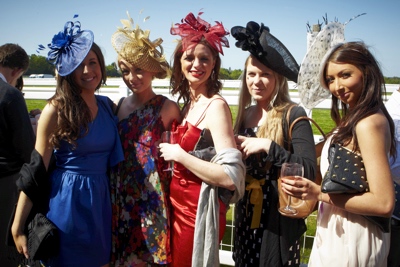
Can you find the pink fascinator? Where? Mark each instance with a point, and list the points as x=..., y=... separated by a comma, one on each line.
x=193, y=29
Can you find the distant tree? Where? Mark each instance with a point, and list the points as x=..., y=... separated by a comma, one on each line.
x=39, y=65
x=392, y=80
x=224, y=74
x=112, y=70
x=235, y=74
x=228, y=74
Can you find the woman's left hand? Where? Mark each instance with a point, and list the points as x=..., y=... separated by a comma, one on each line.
x=301, y=187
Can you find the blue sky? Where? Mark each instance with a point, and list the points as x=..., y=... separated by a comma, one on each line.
x=33, y=22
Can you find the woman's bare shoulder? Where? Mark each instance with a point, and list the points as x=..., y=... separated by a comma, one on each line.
x=376, y=121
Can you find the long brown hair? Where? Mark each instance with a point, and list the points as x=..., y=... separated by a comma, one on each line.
x=180, y=86
x=73, y=114
x=370, y=101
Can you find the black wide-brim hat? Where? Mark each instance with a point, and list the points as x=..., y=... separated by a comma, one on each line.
x=266, y=48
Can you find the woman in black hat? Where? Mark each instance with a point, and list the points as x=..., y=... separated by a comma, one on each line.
x=263, y=237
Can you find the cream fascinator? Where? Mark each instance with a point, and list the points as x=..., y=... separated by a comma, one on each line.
x=318, y=45
x=134, y=45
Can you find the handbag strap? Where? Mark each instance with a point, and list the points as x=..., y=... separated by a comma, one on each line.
x=291, y=125
x=319, y=146
x=304, y=118
x=287, y=128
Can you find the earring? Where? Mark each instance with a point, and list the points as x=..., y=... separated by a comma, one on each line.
x=213, y=75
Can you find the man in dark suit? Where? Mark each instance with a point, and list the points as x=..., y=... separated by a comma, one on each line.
x=17, y=139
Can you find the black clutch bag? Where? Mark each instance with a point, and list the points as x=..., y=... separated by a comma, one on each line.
x=42, y=234
x=43, y=238
x=346, y=175
x=346, y=172
x=204, y=149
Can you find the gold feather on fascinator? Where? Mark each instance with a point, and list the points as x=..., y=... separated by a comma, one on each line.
x=134, y=45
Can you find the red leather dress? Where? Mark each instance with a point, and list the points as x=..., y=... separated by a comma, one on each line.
x=184, y=194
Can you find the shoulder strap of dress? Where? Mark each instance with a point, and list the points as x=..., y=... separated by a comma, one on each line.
x=119, y=105
x=203, y=115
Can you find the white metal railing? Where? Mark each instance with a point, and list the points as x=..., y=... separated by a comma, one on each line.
x=225, y=249
x=42, y=88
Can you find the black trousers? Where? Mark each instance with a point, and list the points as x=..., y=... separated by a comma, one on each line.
x=8, y=199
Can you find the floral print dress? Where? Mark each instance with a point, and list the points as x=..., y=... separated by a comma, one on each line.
x=140, y=191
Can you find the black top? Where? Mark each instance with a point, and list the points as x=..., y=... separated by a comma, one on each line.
x=17, y=138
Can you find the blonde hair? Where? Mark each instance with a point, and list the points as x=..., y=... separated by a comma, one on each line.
x=271, y=127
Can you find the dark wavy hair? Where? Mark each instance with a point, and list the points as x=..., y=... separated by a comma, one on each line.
x=370, y=101
x=73, y=114
x=179, y=85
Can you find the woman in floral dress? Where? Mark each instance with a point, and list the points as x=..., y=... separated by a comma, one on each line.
x=139, y=186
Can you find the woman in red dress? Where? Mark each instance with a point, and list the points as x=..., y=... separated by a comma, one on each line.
x=195, y=80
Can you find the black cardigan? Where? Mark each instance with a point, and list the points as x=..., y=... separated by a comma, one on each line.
x=34, y=180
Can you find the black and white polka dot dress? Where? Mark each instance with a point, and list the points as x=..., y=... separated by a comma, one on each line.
x=265, y=245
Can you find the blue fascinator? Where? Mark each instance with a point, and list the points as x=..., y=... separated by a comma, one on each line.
x=69, y=48
x=266, y=48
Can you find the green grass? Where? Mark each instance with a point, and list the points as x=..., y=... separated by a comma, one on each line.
x=35, y=104
x=323, y=118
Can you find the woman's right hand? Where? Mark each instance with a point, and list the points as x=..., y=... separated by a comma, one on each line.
x=20, y=240
x=301, y=187
x=22, y=211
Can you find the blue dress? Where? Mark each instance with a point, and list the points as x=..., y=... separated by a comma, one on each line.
x=80, y=197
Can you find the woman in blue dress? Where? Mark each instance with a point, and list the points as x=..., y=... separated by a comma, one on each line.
x=79, y=128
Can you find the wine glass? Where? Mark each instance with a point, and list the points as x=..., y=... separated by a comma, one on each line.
x=289, y=171
x=168, y=137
